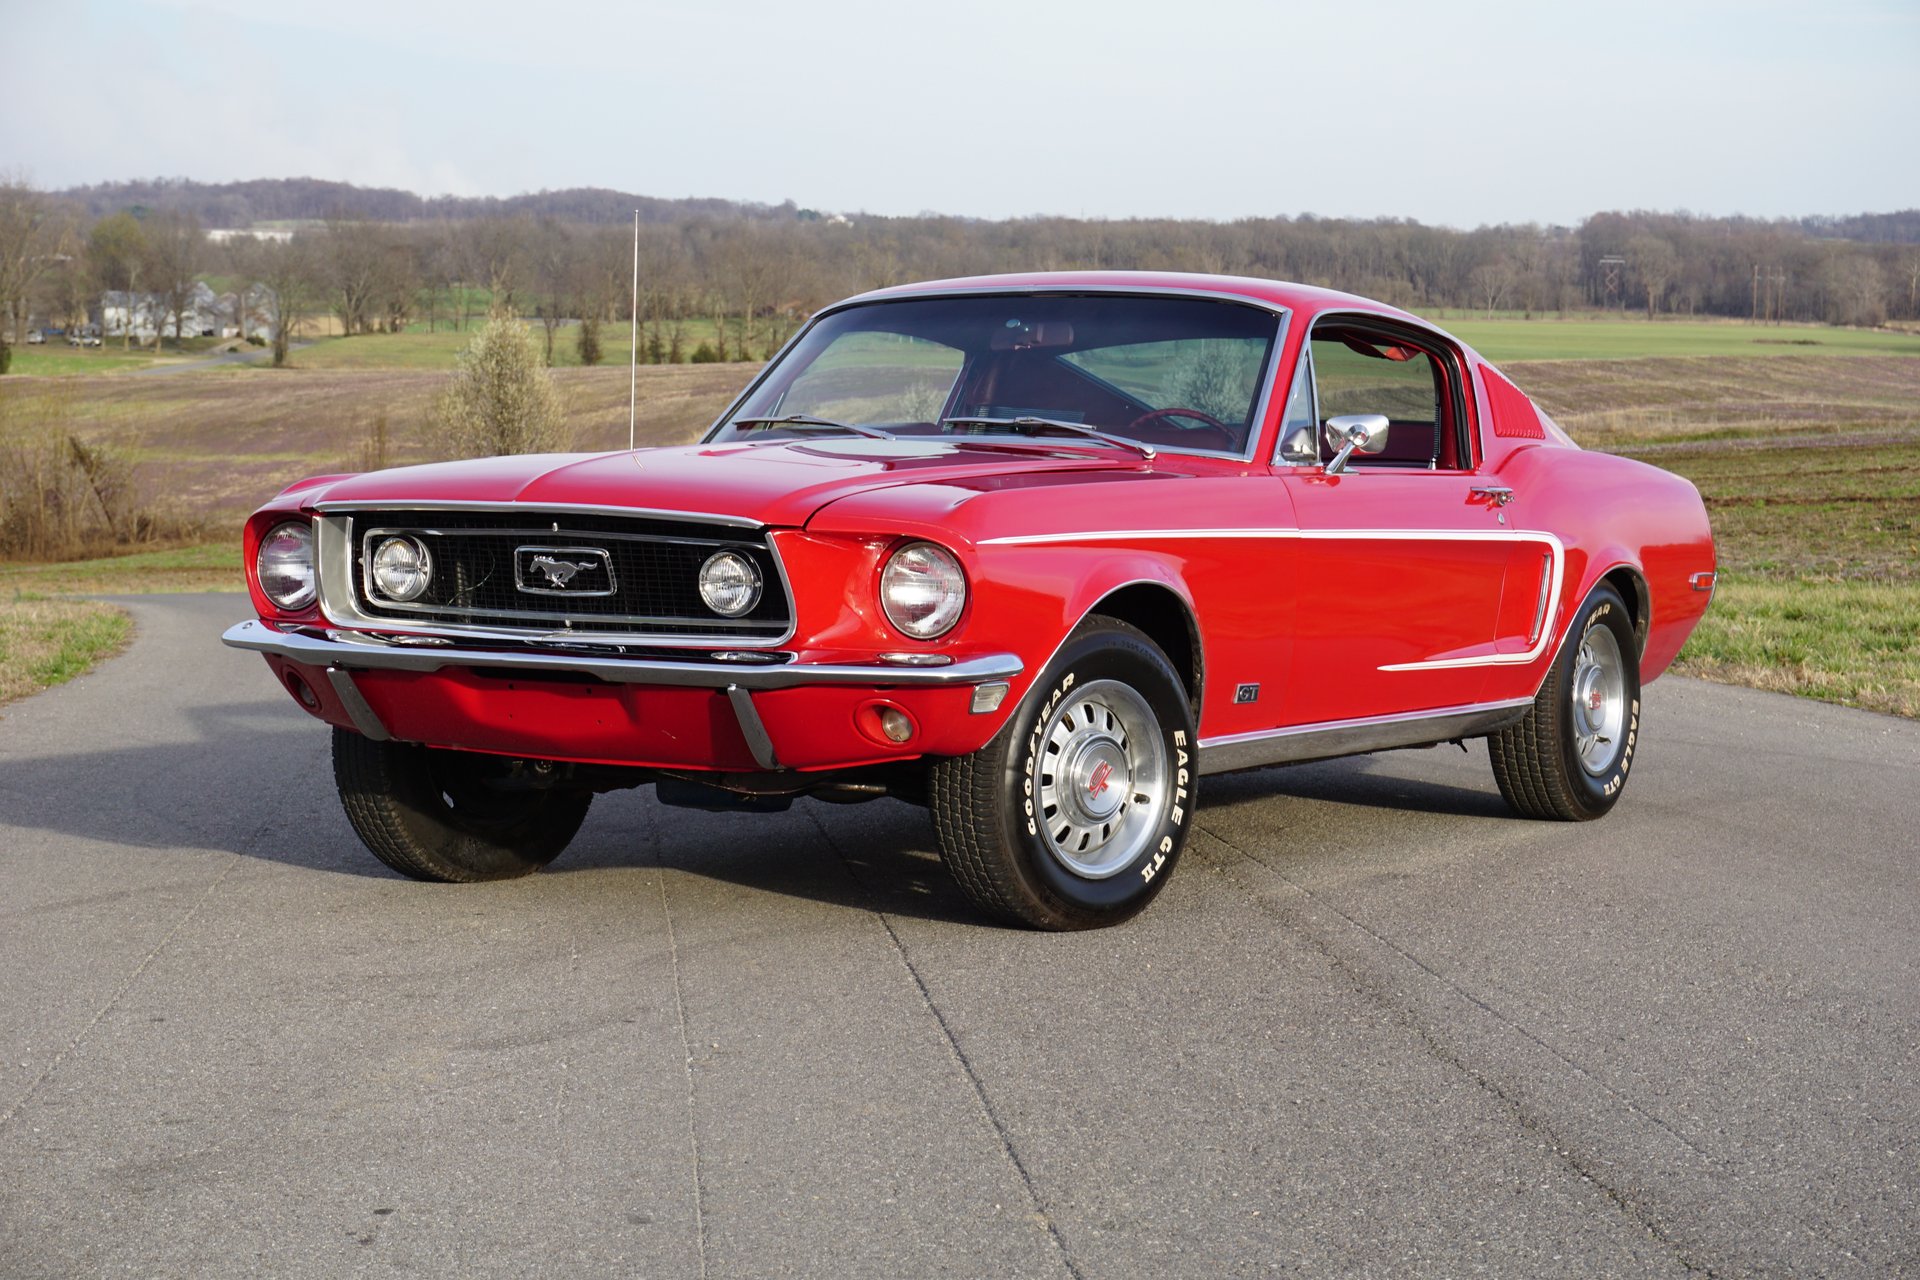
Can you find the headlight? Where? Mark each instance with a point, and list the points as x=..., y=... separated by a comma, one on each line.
x=402, y=567
x=285, y=564
x=730, y=584
x=923, y=590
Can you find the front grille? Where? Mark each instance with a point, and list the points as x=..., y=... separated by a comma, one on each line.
x=654, y=565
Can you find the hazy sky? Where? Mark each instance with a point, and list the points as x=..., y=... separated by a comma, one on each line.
x=1456, y=113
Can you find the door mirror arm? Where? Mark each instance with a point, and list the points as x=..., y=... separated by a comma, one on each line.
x=1365, y=432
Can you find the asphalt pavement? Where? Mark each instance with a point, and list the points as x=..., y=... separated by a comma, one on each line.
x=1376, y=1025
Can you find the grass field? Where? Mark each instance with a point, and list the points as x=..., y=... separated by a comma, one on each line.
x=1813, y=487
x=1513, y=341
x=215, y=444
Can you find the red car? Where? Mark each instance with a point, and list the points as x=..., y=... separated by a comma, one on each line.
x=1039, y=552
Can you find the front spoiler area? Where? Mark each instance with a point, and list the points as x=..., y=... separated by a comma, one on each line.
x=336, y=654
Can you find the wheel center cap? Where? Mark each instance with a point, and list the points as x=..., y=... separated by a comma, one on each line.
x=1594, y=700
x=1098, y=783
x=1104, y=780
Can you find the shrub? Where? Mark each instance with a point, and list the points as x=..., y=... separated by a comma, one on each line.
x=704, y=354
x=588, y=342
x=61, y=497
x=6, y=357
x=502, y=398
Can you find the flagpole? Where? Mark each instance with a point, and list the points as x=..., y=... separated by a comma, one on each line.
x=633, y=362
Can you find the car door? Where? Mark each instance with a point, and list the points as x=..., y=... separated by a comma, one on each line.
x=1403, y=554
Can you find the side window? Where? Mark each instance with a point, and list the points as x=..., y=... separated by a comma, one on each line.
x=868, y=376
x=1364, y=370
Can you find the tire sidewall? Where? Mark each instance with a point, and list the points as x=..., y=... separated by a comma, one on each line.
x=1598, y=794
x=1105, y=652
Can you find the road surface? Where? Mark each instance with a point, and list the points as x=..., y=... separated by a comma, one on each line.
x=1375, y=1026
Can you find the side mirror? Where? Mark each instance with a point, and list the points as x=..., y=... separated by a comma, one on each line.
x=1366, y=432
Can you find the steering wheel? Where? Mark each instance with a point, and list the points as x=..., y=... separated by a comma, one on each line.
x=1174, y=411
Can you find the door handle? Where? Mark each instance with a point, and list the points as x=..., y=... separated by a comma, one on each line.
x=1497, y=494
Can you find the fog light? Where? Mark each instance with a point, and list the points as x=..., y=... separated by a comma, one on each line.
x=302, y=693
x=402, y=567
x=894, y=723
x=729, y=584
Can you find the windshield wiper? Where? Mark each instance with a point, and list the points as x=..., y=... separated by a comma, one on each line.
x=807, y=422
x=1031, y=426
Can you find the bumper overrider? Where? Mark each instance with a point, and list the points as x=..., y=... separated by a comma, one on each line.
x=639, y=711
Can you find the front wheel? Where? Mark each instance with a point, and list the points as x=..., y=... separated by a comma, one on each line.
x=450, y=815
x=1074, y=815
x=1569, y=758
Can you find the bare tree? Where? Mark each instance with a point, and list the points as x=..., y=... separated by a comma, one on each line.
x=552, y=252
x=1854, y=289
x=290, y=272
x=1493, y=280
x=1654, y=262
x=175, y=250
x=32, y=238
x=117, y=250
x=353, y=258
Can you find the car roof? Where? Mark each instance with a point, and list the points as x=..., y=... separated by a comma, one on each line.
x=1304, y=300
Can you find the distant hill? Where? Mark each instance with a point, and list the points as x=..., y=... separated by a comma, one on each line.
x=240, y=204
x=1868, y=228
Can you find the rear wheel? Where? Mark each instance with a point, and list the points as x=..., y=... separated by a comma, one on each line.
x=450, y=815
x=1569, y=758
x=1074, y=815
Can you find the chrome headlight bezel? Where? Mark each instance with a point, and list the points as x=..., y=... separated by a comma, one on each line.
x=284, y=566
x=923, y=590
x=731, y=583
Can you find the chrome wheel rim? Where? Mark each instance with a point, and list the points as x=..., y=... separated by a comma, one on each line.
x=1100, y=779
x=1599, y=700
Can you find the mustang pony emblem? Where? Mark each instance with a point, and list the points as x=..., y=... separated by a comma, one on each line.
x=563, y=571
x=559, y=572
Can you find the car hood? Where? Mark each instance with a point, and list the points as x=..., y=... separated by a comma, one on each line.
x=780, y=485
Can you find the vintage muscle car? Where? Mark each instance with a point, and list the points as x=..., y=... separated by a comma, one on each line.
x=1039, y=552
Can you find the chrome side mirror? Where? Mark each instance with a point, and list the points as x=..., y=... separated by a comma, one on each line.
x=1366, y=432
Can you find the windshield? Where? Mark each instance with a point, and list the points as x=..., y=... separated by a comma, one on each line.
x=1171, y=373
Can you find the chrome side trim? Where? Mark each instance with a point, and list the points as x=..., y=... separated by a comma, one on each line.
x=355, y=650
x=374, y=505
x=1551, y=541
x=752, y=727
x=359, y=710
x=1544, y=617
x=1354, y=737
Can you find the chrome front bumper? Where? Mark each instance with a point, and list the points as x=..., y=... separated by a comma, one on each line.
x=341, y=652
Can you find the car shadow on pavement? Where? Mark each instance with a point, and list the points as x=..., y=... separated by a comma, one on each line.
x=256, y=780
x=877, y=856
x=1367, y=781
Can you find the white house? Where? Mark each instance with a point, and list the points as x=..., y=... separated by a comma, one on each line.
x=249, y=314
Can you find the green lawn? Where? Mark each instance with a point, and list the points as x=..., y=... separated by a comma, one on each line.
x=47, y=642
x=1504, y=341
x=58, y=359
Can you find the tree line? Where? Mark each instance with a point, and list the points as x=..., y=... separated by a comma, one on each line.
x=733, y=284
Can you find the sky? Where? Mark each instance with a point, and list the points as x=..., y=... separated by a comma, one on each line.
x=1459, y=114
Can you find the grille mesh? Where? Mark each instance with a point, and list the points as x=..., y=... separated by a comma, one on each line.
x=655, y=564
